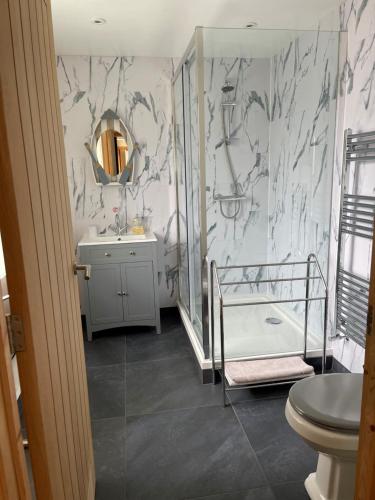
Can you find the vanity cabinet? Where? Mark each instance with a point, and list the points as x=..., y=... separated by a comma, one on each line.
x=123, y=288
x=105, y=301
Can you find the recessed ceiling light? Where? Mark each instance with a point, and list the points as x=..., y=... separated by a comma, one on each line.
x=98, y=20
x=251, y=24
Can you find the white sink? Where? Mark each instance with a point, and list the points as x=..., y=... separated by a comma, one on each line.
x=113, y=239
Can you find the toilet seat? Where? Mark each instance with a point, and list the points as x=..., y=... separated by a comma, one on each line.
x=323, y=439
x=331, y=401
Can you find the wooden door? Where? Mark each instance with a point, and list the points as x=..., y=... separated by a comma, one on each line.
x=105, y=294
x=35, y=224
x=138, y=284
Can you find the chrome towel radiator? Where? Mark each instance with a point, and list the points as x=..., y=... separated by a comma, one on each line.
x=356, y=221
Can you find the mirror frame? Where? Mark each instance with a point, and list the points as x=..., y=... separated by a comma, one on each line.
x=111, y=121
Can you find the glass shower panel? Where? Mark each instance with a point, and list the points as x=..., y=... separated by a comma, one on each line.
x=302, y=140
x=184, y=289
x=193, y=192
x=270, y=115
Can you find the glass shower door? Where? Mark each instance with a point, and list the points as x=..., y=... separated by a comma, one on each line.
x=193, y=192
x=188, y=192
x=183, y=254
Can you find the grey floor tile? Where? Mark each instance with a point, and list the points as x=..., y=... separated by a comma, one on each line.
x=282, y=453
x=187, y=454
x=106, y=391
x=291, y=491
x=200, y=452
x=109, y=452
x=150, y=346
x=107, y=348
x=256, y=494
x=280, y=391
x=169, y=384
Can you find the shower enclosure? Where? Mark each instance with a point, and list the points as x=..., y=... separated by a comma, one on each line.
x=254, y=130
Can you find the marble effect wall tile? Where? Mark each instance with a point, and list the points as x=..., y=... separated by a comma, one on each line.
x=356, y=110
x=302, y=132
x=244, y=239
x=139, y=91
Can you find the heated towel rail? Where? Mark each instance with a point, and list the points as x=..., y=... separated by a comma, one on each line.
x=215, y=282
x=356, y=220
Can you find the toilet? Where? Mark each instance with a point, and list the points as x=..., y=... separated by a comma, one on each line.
x=325, y=411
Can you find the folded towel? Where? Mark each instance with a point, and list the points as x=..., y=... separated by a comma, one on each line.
x=266, y=370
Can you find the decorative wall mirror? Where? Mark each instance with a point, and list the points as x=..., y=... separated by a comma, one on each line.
x=112, y=151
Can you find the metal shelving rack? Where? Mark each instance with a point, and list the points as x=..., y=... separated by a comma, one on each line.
x=313, y=272
x=356, y=220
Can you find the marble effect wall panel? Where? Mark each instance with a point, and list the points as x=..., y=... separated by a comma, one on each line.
x=139, y=91
x=241, y=240
x=302, y=132
x=356, y=111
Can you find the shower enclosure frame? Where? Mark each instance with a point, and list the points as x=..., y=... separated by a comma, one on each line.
x=195, y=54
x=195, y=47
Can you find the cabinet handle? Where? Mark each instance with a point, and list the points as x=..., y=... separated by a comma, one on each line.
x=132, y=252
x=125, y=293
x=107, y=254
x=119, y=293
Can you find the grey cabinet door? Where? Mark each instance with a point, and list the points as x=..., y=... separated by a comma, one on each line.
x=138, y=283
x=104, y=287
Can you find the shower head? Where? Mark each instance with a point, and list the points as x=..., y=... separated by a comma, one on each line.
x=227, y=88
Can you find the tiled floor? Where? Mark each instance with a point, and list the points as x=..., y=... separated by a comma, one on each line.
x=160, y=434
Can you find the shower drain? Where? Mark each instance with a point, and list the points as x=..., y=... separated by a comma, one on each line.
x=273, y=321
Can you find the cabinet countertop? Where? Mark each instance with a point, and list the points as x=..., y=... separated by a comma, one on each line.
x=87, y=240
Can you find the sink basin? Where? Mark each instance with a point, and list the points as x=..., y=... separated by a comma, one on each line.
x=124, y=237
x=112, y=239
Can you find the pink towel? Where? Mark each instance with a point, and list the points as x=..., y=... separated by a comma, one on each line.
x=266, y=370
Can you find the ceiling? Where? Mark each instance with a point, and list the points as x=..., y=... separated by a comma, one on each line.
x=163, y=28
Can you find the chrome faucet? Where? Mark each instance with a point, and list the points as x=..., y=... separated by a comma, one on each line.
x=116, y=227
x=119, y=229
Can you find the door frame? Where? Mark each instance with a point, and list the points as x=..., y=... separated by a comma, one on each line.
x=14, y=480
x=365, y=473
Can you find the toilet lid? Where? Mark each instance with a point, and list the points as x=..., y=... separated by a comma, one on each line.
x=331, y=400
